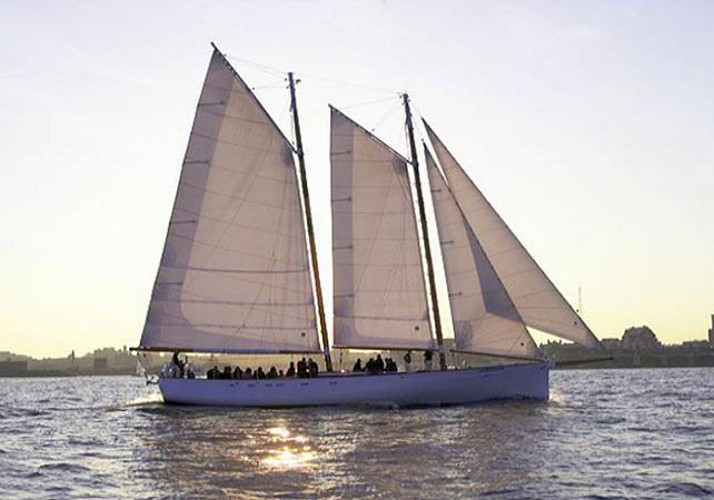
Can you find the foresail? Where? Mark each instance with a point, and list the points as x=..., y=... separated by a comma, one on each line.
x=538, y=302
x=234, y=274
x=485, y=319
x=379, y=294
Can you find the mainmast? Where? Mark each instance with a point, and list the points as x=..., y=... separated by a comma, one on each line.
x=310, y=231
x=425, y=235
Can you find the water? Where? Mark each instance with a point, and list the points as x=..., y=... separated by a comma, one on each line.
x=604, y=434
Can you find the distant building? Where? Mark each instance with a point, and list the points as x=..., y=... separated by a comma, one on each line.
x=641, y=338
x=611, y=344
x=101, y=365
x=695, y=344
x=711, y=332
x=12, y=368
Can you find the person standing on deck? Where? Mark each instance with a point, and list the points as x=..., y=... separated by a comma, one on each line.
x=428, y=356
x=178, y=370
x=408, y=362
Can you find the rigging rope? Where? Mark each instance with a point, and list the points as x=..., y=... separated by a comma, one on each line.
x=347, y=84
x=276, y=84
x=282, y=73
x=367, y=103
x=258, y=66
x=385, y=115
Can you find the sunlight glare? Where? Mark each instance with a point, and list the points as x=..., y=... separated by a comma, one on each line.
x=293, y=454
x=280, y=432
x=288, y=459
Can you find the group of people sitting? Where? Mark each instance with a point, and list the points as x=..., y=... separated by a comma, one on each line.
x=305, y=369
x=374, y=366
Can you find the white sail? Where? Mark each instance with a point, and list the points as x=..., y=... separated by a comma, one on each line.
x=379, y=294
x=485, y=319
x=234, y=275
x=538, y=302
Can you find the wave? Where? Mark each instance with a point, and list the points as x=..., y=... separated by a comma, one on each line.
x=150, y=399
x=687, y=489
x=62, y=467
x=7, y=412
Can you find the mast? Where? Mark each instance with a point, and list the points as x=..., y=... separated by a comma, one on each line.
x=310, y=231
x=425, y=234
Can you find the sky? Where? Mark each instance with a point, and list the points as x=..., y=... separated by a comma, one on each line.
x=587, y=124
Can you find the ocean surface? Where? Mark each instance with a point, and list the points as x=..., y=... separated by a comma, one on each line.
x=604, y=434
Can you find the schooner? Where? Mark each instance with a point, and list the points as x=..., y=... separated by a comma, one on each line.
x=239, y=270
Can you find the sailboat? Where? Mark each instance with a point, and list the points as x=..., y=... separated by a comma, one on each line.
x=239, y=272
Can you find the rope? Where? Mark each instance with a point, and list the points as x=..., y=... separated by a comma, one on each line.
x=366, y=103
x=258, y=66
x=282, y=73
x=348, y=84
x=384, y=117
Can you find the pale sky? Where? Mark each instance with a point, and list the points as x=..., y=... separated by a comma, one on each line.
x=587, y=124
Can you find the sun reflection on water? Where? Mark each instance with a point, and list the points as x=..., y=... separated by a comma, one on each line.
x=280, y=432
x=289, y=459
x=145, y=399
x=293, y=452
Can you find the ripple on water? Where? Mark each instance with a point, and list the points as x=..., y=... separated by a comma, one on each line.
x=686, y=489
x=62, y=467
x=9, y=412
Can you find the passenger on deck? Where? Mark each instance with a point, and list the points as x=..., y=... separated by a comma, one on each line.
x=247, y=374
x=185, y=367
x=227, y=373
x=237, y=373
x=390, y=365
x=312, y=368
x=408, y=361
x=213, y=373
x=302, y=368
x=260, y=374
x=291, y=370
x=358, y=366
x=428, y=355
x=178, y=365
x=188, y=372
x=272, y=373
x=379, y=363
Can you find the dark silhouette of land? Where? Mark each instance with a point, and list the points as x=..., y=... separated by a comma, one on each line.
x=638, y=348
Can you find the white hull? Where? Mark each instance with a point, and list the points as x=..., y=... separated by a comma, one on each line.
x=520, y=381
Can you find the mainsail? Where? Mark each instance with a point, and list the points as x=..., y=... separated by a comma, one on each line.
x=485, y=319
x=234, y=274
x=379, y=294
x=536, y=299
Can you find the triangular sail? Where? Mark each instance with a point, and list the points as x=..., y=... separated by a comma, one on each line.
x=379, y=294
x=234, y=274
x=538, y=302
x=485, y=319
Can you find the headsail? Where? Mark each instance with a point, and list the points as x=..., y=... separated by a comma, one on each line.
x=539, y=303
x=234, y=274
x=379, y=295
x=485, y=319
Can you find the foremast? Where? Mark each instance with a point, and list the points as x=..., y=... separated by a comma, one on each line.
x=310, y=231
x=425, y=234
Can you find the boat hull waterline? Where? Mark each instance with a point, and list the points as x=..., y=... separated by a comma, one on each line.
x=435, y=388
